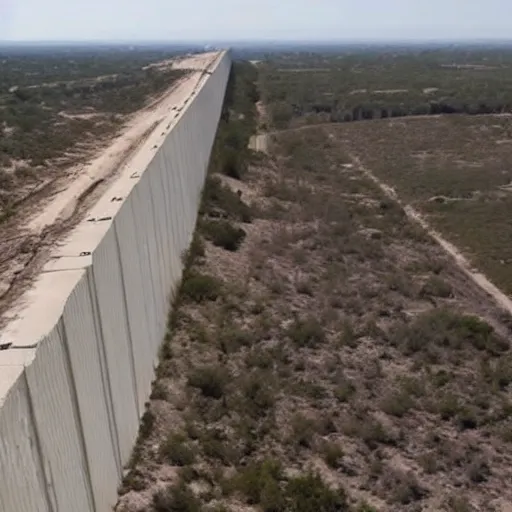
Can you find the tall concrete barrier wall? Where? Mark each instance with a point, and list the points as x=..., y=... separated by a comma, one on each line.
x=85, y=338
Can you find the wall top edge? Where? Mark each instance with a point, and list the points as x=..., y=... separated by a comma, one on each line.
x=38, y=311
x=9, y=375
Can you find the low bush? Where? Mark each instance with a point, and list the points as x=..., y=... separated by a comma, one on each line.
x=307, y=332
x=216, y=446
x=232, y=338
x=444, y=328
x=309, y=493
x=436, y=287
x=397, y=404
x=176, y=498
x=176, y=450
x=258, y=394
x=201, y=287
x=210, y=380
x=223, y=234
x=303, y=431
x=258, y=480
x=332, y=454
x=219, y=197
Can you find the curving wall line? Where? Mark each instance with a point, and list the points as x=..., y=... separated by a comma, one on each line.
x=87, y=333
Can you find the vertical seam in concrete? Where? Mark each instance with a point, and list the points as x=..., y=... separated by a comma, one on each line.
x=128, y=328
x=107, y=389
x=157, y=238
x=41, y=470
x=77, y=415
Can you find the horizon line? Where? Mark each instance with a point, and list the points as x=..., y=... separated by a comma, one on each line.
x=269, y=40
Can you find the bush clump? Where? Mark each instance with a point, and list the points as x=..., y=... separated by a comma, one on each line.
x=223, y=234
x=201, y=287
x=219, y=199
x=176, y=498
x=444, y=328
x=176, y=451
x=307, y=332
x=210, y=380
x=309, y=493
x=436, y=287
x=264, y=484
x=332, y=454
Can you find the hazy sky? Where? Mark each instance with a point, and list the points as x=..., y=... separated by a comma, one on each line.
x=245, y=19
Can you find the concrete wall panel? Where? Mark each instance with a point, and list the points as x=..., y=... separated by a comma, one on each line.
x=72, y=397
x=22, y=486
x=172, y=221
x=139, y=320
x=109, y=286
x=158, y=204
x=56, y=418
x=177, y=197
x=145, y=229
x=91, y=384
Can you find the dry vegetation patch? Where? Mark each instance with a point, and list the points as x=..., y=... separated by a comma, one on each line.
x=453, y=169
x=333, y=360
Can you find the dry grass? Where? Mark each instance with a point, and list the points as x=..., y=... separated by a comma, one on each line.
x=341, y=364
x=457, y=170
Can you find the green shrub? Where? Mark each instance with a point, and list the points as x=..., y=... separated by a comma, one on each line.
x=364, y=507
x=310, y=494
x=459, y=504
x=223, y=234
x=220, y=197
x=211, y=380
x=345, y=390
x=147, y=424
x=397, y=404
x=467, y=418
x=307, y=332
x=195, y=251
x=176, y=498
x=303, y=431
x=373, y=433
x=258, y=393
x=444, y=328
x=217, y=447
x=332, y=454
x=436, y=287
x=159, y=391
x=232, y=338
x=259, y=358
x=258, y=479
x=448, y=406
x=176, y=451
x=201, y=287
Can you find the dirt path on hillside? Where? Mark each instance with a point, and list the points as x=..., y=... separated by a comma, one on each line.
x=462, y=262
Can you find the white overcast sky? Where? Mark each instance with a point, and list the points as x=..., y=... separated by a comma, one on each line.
x=206, y=20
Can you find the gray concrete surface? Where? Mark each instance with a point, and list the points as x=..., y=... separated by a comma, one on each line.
x=84, y=339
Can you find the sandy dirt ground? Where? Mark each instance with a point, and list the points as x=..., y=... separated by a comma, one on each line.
x=462, y=262
x=51, y=210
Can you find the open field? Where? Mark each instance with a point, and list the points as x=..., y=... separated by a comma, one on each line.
x=379, y=83
x=454, y=169
x=42, y=203
x=325, y=354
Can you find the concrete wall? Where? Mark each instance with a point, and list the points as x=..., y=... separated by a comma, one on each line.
x=86, y=336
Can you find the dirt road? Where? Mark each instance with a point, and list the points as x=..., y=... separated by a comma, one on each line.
x=462, y=262
x=43, y=217
x=259, y=143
